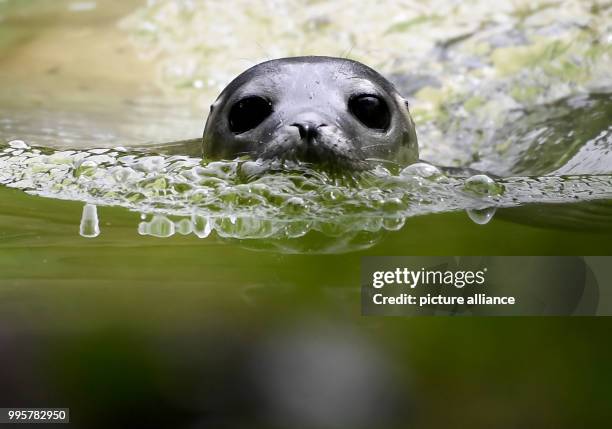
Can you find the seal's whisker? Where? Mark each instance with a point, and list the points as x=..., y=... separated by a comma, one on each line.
x=373, y=145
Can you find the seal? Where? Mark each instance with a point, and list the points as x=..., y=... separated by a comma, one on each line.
x=322, y=110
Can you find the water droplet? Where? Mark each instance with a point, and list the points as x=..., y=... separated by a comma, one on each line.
x=483, y=185
x=161, y=226
x=184, y=226
x=89, y=227
x=393, y=223
x=202, y=226
x=421, y=169
x=481, y=216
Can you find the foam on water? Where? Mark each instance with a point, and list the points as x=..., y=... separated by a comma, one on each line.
x=253, y=199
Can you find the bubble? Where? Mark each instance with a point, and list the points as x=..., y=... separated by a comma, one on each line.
x=483, y=185
x=243, y=227
x=184, y=226
x=393, y=224
x=202, y=226
x=89, y=227
x=287, y=202
x=421, y=169
x=160, y=226
x=481, y=216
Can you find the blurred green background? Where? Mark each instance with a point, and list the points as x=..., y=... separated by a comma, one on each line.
x=136, y=331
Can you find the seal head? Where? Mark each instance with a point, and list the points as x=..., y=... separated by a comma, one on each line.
x=322, y=110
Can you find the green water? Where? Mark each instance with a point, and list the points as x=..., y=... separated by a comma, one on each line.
x=237, y=326
x=114, y=325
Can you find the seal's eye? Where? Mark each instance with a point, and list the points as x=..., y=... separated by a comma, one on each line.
x=371, y=110
x=247, y=113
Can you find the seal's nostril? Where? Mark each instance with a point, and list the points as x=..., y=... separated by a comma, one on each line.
x=304, y=129
x=308, y=130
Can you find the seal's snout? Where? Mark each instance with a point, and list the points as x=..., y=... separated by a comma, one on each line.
x=313, y=142
x=308, y=130
x=308, y=124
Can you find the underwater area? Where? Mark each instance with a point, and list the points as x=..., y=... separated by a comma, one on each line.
x=144, y=286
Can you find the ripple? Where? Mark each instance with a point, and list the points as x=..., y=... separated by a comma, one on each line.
x=183, y=195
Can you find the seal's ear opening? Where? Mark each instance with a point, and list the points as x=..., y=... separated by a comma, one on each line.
x=409, y=152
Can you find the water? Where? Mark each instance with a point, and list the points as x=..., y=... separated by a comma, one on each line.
x=167, y=287
x=274, y=200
